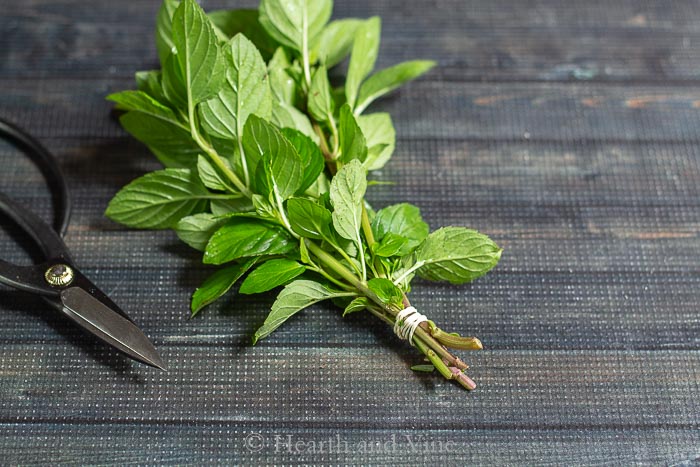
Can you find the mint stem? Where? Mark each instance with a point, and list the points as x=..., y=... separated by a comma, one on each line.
x=421, y=332
x=211, y=152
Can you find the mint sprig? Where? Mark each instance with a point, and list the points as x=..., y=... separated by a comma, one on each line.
x=266, y=167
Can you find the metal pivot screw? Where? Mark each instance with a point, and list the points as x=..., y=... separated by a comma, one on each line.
x=59, y=275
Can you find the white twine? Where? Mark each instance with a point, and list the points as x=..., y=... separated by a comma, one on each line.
x=406, y=323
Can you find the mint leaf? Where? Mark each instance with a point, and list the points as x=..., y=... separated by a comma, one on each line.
x=244, y=21
x=172, y=145
x=139, y=101
x=294, y=298
x=218, y=284
x=164, y=29
x=347, y=192
x=308, y=219
x=336, y=41
x=385, y=81
x=242, y=238
x=363, y=57
x=391, y=245
x=226, y=206
x=319, y=188
x=320, y=103
x=386, y=291
x=352, y=142
x=288, y=116
x=271, y=274
x=381, y=138
x=158, y=127
x=198, y=55
x=282, y=84
x=158, y=200
x=260, y=137
x=211, y=176
x=357, y=304
x=173, y=83
x=196, y=230
x=426, y=368
x=403, y=220
x=244, y=91
x=457, y=255
x=295, y=23
x=311, y=157
x=150, y=82
x=280, y=174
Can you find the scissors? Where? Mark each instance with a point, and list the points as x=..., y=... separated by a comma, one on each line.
x=57, y=279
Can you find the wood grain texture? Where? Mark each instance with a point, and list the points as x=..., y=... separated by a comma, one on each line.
x=569, y=132
x=495, y=40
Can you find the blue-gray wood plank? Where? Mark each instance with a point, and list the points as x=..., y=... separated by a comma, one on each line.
x=570, y=132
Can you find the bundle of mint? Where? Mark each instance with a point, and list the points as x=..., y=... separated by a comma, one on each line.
x=267, y=164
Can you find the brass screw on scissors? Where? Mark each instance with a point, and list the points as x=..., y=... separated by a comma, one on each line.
x=59, y=275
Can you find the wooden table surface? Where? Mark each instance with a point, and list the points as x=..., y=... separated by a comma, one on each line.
x=568, y=131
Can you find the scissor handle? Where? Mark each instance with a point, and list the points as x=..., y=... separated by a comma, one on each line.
x=31, y=278
x=49, y=167
x=44, y=236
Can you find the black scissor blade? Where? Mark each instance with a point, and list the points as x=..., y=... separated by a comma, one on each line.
x=109, y=326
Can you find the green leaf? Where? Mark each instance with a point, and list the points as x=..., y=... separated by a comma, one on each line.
x=271, y=274
x=358, y=304
x=320, y=104
x=282, y=84
x=386, y=291
x=242, y=238
x=352, y=142
x=169, y=142
x=388, y=79
x=304, y=252
x=309, y=219
x=381, y=138
x=295, y=23
x=347, y=192
x=261, y=137
x=339, y=96
x=212, y=176
x=244, y=21
x=158, y=200
x=224, y=206
x=336, y=41
x=427, y=368
x=279, y=174
x=150, y=82
x=263, y=208
x=390, y=245
x=164, y=29
x=173, y=83
x=139, y=101
x=311, y=157
x=403, y=269
x=296, y=71
x=201, y=62
x=403, y=220
x=245, y=91
x=457, y=255
x=319, y=187
x=363, y=57
x=196, y=230
x=218, y=284
x=288, y=116
x=294, y=298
